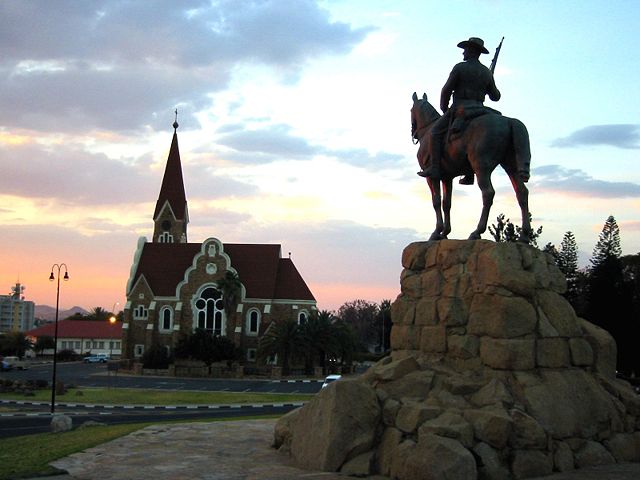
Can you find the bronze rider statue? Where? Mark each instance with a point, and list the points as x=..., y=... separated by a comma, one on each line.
x=469, y=82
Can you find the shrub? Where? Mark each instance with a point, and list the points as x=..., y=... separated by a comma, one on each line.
x=156, y=356
x=67, y=356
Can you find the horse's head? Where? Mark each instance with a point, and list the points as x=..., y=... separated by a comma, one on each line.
x=422, y=115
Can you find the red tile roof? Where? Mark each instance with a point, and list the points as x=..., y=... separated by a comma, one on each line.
x=172, y=189
x=261, y=270
x=79, y=329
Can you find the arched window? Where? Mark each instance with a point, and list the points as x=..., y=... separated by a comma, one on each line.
x=253, y=322
x=165, y=237
x=209, y=310
x=303, y=316
x=166, y=319
x=140, y=313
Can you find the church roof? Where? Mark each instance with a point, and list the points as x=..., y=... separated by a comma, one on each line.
x=172, y=189
x=260, y=269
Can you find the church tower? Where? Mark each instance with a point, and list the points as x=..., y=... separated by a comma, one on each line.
x=171, y=214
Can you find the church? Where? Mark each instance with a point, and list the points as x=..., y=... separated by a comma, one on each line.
x=176, y=286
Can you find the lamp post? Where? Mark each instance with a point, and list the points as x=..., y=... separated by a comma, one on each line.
x=112, y=321
x=53, y=277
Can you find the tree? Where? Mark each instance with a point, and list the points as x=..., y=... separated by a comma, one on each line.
x=283, y=339
x=608, y=246
x=204, y=346
x=156, y=356
x=318, y=338
x=231, y=287
x=14, y=343
x=567, y=262
x=43, y=343
x=608, y=299
x=505, y=231
x=98, y=314
x=384, y=319
x=362, y=315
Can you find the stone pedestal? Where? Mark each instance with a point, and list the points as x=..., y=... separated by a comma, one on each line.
x=491, y=375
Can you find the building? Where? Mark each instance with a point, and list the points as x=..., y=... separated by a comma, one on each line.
x=16, y=313
x=83, y=336
x=175, y=286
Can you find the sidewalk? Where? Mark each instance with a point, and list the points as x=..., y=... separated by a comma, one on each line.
x=225, y=451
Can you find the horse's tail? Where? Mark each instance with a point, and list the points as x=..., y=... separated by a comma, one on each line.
x=521, y=147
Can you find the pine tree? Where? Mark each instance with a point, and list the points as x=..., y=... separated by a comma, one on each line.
x=567, y=261
x=608, y=245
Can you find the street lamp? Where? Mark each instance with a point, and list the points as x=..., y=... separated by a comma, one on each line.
x=52, y=277
x=112, y=321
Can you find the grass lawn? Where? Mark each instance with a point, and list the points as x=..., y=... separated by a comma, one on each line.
x=29, y=455
x=129, y=396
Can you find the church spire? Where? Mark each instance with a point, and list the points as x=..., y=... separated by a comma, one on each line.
x=171, y=215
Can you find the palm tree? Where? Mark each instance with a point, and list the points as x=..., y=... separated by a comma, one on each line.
x=319, y=339
x=99, y=314
x=283, y=339
x=231, y=287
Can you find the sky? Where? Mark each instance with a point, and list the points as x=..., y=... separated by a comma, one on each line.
x=295, y=129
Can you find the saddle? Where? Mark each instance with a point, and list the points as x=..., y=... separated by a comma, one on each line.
x=463, y=115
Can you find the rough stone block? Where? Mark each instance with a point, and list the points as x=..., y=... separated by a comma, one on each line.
x=431, y=283
x=591, y=454
x=491, y=426
x=360, y=466
x=501, y=317
x=491, y=465
x=581, y=352
x=463, y=346
x=452, y=312
x=411, y=284
x=531, y=463
x=563, y=458
x=61, y=423
x=426, y=312
x=433, y=458
x=389, y=442
x=403, y=311
x=603, y=346
x=623, y=447
x=450, y=425
x=493, y=393
x=413, y=255
x=559, y=313
x=411, y=415
x=508, y=354
x=527, y=432
x=552, y=352
x=433, y=339
x=413, y=385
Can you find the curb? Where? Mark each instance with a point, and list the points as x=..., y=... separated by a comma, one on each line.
x=119, y=408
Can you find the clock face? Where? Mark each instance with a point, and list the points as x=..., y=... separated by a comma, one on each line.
x=166, y=225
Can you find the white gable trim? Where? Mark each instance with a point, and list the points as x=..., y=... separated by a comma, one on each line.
x=134, y=265
x=164, y=206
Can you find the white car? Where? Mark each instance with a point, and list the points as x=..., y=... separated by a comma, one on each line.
x=97, y=358
x=331, y=378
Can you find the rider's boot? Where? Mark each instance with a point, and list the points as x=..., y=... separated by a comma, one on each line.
x=433, y=169
x=466, y=180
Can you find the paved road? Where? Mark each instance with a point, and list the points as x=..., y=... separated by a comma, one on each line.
x=96, y=375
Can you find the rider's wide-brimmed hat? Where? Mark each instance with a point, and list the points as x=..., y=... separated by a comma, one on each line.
x=474, y=42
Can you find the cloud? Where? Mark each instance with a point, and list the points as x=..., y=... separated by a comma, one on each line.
x=625, y=136
x=576, y=182
x=272, y=143
x=115, y=65
x=75, y=176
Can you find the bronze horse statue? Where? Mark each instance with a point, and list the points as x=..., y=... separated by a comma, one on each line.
x=487, y=141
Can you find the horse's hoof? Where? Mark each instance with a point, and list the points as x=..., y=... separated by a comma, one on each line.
x=475, y=236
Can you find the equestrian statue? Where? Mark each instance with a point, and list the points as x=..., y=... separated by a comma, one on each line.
x=469, y=139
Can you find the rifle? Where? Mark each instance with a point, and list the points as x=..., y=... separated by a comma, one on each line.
x=495, y=57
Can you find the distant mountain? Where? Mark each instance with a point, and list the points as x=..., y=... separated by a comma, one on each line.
x=46, y=312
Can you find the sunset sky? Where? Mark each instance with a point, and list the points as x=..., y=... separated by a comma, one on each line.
x=295, y=129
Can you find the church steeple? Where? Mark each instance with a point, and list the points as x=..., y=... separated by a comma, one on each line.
x=171, y=214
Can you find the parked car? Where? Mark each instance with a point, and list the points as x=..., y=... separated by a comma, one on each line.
x=5, y=366
x=16, y=363
x=97, y=358
x=331, y=378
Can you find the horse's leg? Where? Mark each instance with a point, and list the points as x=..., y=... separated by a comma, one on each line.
x=436, y=200
x=447, y=187
x=522, y=194
x=484, y=182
